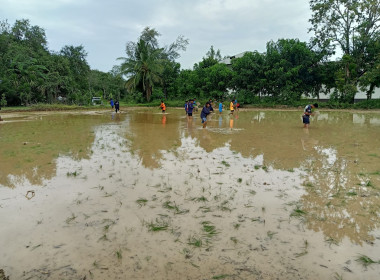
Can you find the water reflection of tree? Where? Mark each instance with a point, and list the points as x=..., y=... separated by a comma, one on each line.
x=28, y=149
x=338, y=201
x=151, y=134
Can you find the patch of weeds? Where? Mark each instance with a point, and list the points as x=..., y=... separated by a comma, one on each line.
x=70, y=219
x=265, y=168
x=291, y=170
x=366, y=261
x=159, y=225
x=270, y=234
x=257, y=167
x=225, y=163
x=240, y=180
x=142, y=202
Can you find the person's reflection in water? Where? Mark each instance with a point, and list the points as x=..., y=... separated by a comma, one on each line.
x=163, y=120
x=307, y=142
x=220, y=121
x=231, y=123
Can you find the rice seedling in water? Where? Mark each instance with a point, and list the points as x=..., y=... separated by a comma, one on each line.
x=70, y=219
x=331, y=241
x=159, y=225
x=72, y=174
x=237, y=226
x=257, y=167
x=270, y=234
x=199, y=199
x=369, y=184
x=252, y=192
x=141, y=202
x=240, y=180
x=194, y=241
x=226, y=164
x=234, y=240
x=173, y=206
x=209, y=229
x=374, y=173
x=222, y=276
x=304, y=252
x=338, y=276
x=187, y=253
x=366, y=261
x=119, y=255
x=298, y=212
x=103, y=238
x=351, y=193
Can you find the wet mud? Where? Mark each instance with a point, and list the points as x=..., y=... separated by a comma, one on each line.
x=141, y=195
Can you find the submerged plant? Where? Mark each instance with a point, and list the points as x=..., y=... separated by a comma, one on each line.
x=141, y=202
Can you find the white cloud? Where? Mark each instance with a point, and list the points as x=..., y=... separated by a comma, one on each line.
x=104, y=27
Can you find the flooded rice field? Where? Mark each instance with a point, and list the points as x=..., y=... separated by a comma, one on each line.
x=141, y=195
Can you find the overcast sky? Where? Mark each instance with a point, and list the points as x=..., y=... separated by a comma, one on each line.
x=103, y=27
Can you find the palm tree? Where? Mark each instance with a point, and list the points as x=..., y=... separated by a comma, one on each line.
x=143, y=67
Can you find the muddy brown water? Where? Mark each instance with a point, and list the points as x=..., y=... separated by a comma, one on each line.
x=141, y=195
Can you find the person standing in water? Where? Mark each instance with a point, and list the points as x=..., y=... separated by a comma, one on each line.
x=205, y=112
x=111, y=103
x=232, y=107
x=220, y=107
x=190, y=108
x=307, y=113
x=117, y=108
x=163, y=106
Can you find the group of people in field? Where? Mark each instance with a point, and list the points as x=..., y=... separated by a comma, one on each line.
x=192, y=105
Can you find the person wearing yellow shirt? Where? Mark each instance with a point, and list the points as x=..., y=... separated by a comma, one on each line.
x=232, y=107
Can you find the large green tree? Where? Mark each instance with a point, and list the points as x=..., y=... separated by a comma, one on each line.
x=352, y=26
x=146, y=64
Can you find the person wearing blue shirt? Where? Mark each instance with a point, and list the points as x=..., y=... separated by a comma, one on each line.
x=205, y=112
x=111, y=103
x=190, y=108
x=220, y=107
x=307, y=113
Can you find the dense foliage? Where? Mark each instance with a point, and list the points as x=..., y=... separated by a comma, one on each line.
x=30, y=73
x=286, y=72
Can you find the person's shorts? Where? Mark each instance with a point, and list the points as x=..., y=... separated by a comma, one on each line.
x=163, y=111
x=190, y=114
x=305, y=120
x=204, y=120
x=232, y=111
x=220, y=111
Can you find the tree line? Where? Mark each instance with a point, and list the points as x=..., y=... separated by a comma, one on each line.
x=288, y=70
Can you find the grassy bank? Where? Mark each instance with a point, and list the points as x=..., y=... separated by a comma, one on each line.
x=363, y=105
